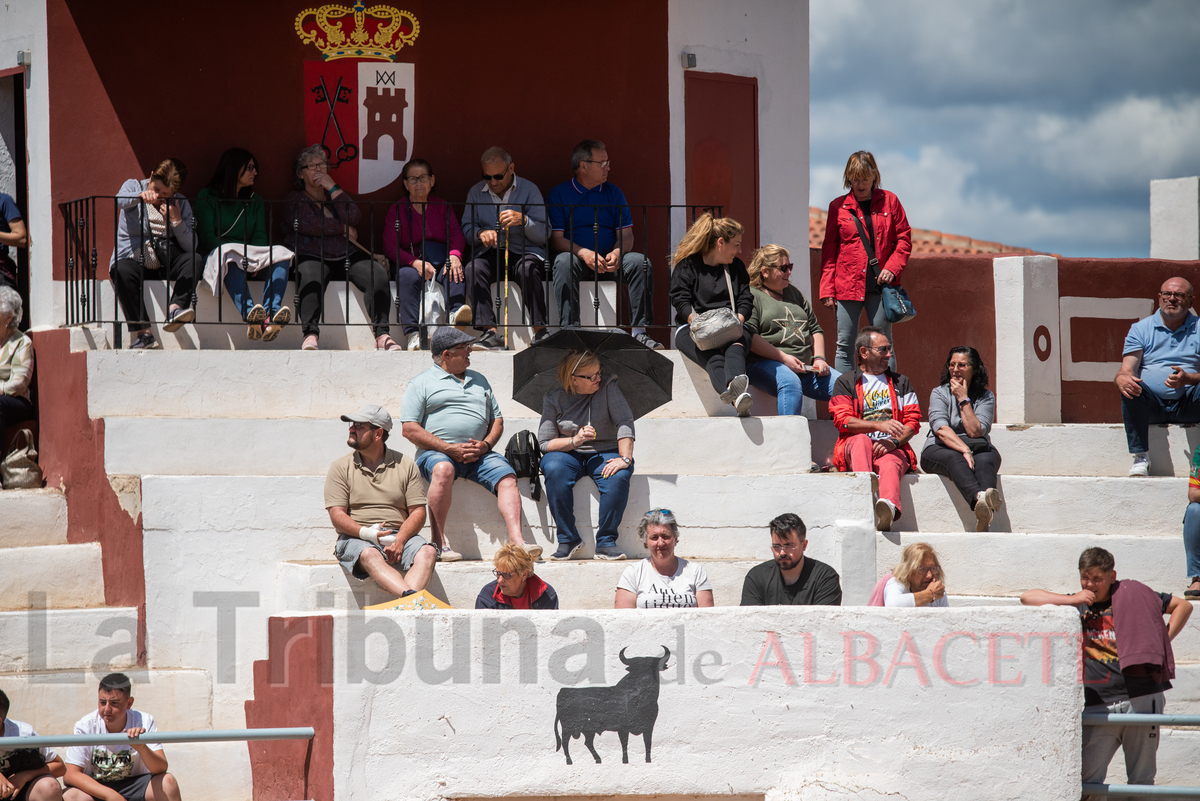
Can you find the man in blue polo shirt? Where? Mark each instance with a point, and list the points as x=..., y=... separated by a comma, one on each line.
x=1160, y=370
x=451, y=414
x=591, y=227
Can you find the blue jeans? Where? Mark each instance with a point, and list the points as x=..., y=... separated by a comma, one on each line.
x=562, y=470
x=848, y=312
x=410, y=284
x=1191, y=538
x=274, y=285
x=789, y=388
x=1146, y=409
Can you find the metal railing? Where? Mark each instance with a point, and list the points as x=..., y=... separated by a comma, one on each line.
x=1139, y=719
x=93, y=227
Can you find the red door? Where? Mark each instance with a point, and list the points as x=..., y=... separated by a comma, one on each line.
x=721, y=140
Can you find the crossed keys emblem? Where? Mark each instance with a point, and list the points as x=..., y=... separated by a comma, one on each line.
x=347, y=151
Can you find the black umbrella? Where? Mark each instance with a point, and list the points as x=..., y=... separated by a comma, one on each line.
x=643, y=375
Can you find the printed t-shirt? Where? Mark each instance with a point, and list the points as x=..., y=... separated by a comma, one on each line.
x=384, y=496
x=1194, y=475
x=18, y=759
x=105, y=764
x=656, y=591
x=877, y=402
x=1103, y=681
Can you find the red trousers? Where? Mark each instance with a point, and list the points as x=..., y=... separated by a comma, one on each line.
x=890, y=467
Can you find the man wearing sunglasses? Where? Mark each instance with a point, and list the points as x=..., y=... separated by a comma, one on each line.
x=505, y=221
x=1160, y=371
x=374, y=492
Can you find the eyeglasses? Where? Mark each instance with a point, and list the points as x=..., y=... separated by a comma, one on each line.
x=313, y=165
x=784, y=548
x=362, y=426
x=500, y=574
x=1175, y=295
x=602, y=164
x=882, y=349
x=252, y=167
x=785, y=268
x=499, y=177
x=593, y=377
x=418, y=179
x=934, y=569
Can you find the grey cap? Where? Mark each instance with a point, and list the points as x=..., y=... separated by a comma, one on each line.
x=446, y=337
x=375, y=415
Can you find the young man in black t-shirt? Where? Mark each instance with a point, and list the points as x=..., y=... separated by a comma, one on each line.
x=1109, y=686
x=791, y=578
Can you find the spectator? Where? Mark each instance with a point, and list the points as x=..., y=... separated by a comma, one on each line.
x=376, y=502
x=230, y=213
x=451, y=414
x=788, y=344
x=662, y=580
x=586, y=430
x=916, y=581
x=1191, y=528
x=959, y=445
x=1160, y=371
x=106, y=773
x=850, y=279
x=154, y=233
x=1121, y=618
x=876, y=414
x=422, y=238
x=320, y=223
x=515, y=587
x=591, y=225
x=506, y=216
x=12, y=234
x=791, y=579
x=27, y=774
x=16, y=364
x=708, y=275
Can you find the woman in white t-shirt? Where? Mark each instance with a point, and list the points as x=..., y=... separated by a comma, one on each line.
x=917, y=580
x=663, y=580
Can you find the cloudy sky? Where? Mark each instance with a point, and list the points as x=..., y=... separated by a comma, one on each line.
x=1036, y=123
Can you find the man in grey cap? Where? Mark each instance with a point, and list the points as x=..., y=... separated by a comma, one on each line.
x=376, y=492
x=450, y=413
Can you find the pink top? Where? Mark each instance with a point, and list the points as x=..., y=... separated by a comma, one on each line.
x=433, y=224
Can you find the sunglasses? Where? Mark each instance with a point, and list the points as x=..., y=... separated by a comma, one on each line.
x=497, y=177
x=785, y=268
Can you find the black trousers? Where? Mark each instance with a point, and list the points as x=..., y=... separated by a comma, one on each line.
x=488, y=267
x=943, y=461
x=128, y=278
x=13, y=409
x=721, y=364
x=313, y=276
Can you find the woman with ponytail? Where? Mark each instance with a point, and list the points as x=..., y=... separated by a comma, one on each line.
x=708, y=275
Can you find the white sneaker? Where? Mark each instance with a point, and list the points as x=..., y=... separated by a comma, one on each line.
x=462, y=316
x=983, y=512
x=414, y=341
x=736, y=387
x=743, y=404
x=1141, y=466
x=884, y=514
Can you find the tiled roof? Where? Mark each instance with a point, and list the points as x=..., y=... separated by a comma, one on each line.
x=923, y=240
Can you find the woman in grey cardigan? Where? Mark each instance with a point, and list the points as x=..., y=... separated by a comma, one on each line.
x=586, y=429
x=961, y=412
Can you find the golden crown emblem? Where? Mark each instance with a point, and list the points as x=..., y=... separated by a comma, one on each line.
x=378, y=32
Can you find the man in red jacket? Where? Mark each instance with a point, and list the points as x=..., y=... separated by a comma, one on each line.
x=876, y=414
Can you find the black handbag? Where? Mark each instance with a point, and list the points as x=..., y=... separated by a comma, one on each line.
x=976, y=444
x=524, y=453
x=897, y=306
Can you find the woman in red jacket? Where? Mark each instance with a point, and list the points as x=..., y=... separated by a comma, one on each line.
x=848, y=279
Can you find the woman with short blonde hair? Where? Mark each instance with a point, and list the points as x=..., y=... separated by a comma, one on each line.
x=917, y=580
x=515, y=587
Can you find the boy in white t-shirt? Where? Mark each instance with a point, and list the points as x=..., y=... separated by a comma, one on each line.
x=27, y=774
x=135, y=772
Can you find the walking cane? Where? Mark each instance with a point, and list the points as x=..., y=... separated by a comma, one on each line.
x=506, y=286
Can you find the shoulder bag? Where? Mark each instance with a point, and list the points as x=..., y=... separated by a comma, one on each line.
x=897, y=306
x=19, y=469
x=716, y=328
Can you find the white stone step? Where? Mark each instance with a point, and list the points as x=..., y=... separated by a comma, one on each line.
x=289, y=447
x=311, y=384
x=32, y=517
x=68, y=639
x=1064, y=504
x=583, y=584
x=60, y=576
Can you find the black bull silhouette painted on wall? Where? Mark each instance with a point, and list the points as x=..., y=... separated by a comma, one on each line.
x=628, y=707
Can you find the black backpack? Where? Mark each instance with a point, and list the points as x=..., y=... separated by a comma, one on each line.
x=525, y=455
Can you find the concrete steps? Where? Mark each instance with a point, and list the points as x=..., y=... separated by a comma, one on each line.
x=54, y=576
x=32, y=517
x=102, y=639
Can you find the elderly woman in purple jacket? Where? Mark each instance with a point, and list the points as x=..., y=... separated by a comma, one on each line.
x=320, y=221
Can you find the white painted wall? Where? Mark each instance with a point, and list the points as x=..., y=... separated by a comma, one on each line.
x=1028, y=389
x=407, y=734
x=23, y=27
x=767, y=40
x=1175, y=218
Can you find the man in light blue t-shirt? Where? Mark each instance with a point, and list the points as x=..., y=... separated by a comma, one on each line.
x=1159, y=377
x=450, y=413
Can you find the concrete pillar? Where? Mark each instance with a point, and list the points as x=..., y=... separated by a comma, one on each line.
x=1028, y=372
x=1175, y=218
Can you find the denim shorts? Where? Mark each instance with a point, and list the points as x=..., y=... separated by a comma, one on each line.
x=349, y=549
x=487, y=472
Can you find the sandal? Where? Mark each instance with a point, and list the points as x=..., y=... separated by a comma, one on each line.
x=1193, y=593
x=385, y=342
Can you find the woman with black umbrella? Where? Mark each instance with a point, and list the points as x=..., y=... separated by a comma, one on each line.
x=586, y=429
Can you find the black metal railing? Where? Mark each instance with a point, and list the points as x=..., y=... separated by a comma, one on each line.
x=93, y=226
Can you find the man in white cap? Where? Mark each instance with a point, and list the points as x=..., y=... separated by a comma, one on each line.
x=451, y=414
x=376, y=492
